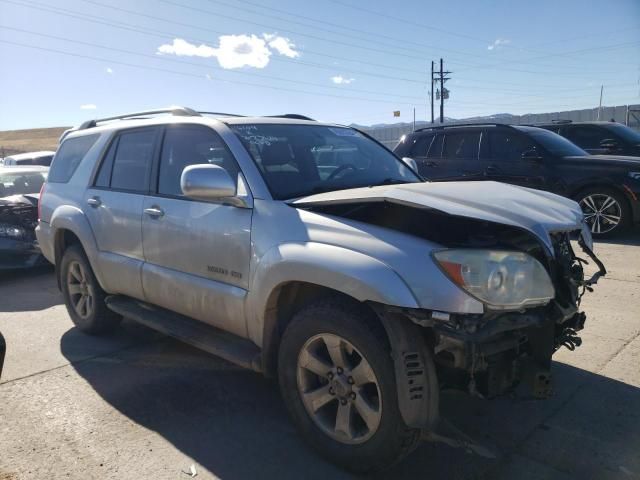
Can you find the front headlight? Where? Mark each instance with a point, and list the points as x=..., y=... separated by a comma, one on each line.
x=634, y=175
x=503, y=280
x=11, y=231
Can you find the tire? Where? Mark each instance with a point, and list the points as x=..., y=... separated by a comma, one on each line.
x=78, y=281
x=311, y=329
x=600, y=220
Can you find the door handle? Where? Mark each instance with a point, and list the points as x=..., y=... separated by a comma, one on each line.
x=154, y=212
x=491, y=169
x=431, y=164
x=95, y=202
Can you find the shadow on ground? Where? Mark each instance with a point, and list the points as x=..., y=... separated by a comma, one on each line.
x=29, y=290
x=630, y=237
x=233, y=423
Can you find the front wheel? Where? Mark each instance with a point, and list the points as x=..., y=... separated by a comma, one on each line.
x=606, y=211
x=337, y=379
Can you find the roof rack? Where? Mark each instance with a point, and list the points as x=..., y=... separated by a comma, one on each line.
x=453, y=125
x=177, y=111
x=222, y=114
x=293, y=116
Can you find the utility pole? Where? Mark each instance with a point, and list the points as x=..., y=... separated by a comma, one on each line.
x=600, y=106
x=442, y=93
x=432, y=91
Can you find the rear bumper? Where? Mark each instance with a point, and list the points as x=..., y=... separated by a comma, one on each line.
x=45, y=241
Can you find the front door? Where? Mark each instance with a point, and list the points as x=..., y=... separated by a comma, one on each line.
x=114, y=208
x=196, y=253
x=503, y=159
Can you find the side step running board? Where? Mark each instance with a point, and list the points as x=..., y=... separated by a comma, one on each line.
x=223, y=344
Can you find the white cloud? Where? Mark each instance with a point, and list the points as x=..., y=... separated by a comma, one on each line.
x=282, y=45
x=340, y=80
x=234, y=51
x=109, y=70
x=499, y=42
x=88, y=106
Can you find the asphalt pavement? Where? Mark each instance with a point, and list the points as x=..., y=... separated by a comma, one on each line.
x=139, y=405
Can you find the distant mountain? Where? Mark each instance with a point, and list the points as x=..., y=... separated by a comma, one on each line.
x=498, y=118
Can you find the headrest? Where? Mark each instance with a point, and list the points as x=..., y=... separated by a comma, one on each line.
x=278, y=153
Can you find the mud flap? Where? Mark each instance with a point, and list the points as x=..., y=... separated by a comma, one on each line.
x=416, y=380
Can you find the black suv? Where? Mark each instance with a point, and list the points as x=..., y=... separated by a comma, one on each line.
x=598, y=137
x=607, y=187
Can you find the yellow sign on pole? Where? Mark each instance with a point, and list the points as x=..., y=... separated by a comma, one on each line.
x=396, y=113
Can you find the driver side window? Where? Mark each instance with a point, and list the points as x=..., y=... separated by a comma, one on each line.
x=508, y=147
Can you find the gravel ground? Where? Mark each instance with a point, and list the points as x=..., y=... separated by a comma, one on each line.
x=139, y=405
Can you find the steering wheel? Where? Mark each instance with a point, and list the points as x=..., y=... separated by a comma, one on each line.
x=341, y=169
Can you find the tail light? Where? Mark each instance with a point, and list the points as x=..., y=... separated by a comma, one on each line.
x=40, y=201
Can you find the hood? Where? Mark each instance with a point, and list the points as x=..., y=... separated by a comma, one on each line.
x=616, y=160
x=538, y=212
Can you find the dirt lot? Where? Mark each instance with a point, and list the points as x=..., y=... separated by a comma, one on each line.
x=140, y=405
x=31, y=140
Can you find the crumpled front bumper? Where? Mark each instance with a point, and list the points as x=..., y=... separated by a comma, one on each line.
x=15, y=254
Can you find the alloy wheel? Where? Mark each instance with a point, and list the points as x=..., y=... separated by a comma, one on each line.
x=339, y=389
x=602, y=212
x=80, y=291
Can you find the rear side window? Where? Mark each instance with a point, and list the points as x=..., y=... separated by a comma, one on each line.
x=462, y=145
x=69, y=156
x=127, y=164
x=587, y=136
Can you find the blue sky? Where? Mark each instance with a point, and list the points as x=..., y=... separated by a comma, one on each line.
x=336, y=60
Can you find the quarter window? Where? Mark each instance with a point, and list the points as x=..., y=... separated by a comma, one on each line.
x=190, y=145
x=69, y=156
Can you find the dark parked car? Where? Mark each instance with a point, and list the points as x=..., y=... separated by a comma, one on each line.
x=19, y=193
x=598, y=137
x=606, y=187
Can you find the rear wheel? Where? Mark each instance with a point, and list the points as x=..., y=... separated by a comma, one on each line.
x=605, y=211
x=83, y=296
x=337, y=379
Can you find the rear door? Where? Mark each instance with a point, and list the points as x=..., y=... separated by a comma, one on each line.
x=502, y=159
x=197, y=253
x=114, y=208
x=459, y=155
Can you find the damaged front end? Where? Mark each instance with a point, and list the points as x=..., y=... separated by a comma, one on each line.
x=492, y=353
x=18, y=244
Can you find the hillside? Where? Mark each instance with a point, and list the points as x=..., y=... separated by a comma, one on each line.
x=18, y=141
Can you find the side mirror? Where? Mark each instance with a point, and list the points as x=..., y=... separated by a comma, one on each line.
x=207, y=182
x=411, y=163
x=532, y=155
x=609, y=143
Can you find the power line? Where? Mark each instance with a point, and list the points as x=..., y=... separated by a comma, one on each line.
x=187, y=74
x=200, y=65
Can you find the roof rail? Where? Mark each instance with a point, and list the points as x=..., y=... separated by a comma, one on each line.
x=222, y=114
x=479, y=124
x=293, y=116
x=177, y=111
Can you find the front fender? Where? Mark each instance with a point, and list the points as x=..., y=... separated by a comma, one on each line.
x=352, y=273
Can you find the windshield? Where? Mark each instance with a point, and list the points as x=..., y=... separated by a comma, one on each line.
x=21, y=183
x=300, y=160
x=624, y=132
x=556, y=144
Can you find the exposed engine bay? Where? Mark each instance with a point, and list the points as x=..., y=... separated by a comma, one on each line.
x=490, y=354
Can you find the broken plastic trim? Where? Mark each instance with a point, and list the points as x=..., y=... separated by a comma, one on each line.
x=602, y=271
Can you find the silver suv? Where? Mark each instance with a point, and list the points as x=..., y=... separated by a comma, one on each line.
x=309, y=252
